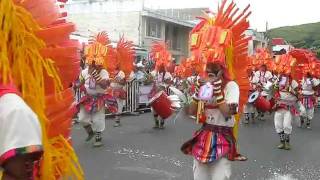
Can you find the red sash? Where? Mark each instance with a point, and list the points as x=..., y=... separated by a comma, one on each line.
x=9, y=88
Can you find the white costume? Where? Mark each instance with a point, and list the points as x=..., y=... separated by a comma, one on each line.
x=284, y=113
x=283, y=117
x=119, y=87
x=307, y=102
x=262, y=78
x=20, y=130
x=249, y=109
x=219, y=169
x=95, y=118
x=160, y=85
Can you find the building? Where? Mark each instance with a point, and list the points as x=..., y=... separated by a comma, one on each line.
x=258, y=40
x=280, y=46
x=136, y=22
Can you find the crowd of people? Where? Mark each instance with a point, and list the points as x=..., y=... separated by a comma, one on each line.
x=289, y=86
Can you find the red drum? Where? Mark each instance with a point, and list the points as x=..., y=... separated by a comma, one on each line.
x=272, y=102
x=161, y=105
x=261, y=103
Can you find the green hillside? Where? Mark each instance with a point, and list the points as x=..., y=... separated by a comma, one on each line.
x=301, y=36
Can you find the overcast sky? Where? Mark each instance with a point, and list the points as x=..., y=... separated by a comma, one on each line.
x=277, y=12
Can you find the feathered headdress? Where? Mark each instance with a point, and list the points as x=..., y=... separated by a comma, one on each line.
x=160, y=54
x=43, y=67
x=184, y=69
x=220, y=39
x=284, y=63
x=125, y=55
x=97, y=49
x=306, y=62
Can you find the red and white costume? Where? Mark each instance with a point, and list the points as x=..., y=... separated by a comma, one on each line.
x=286, y=104
x=119, y=91
x=308, y=99
x=92, y=105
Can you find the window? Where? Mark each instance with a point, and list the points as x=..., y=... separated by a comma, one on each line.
x=153, y=28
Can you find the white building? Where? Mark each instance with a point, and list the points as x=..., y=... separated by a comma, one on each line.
x=258, y=40
x=136, y=22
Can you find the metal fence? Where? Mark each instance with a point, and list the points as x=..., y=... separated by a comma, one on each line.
x=132, y=101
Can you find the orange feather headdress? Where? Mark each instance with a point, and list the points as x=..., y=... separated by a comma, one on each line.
x=97, y=49
x=125, y=55
x=120, y=57
x=306, y=62
x=160, y=54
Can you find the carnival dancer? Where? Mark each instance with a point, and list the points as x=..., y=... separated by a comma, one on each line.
x=162, y=77
x=33, y=136
x=249, y=109
x=117, y=85
x=120, y=65
x=261, y=79
x=162, y=80
x=214, y=144
x=308, y=99
x=96, y=80
x=285, y=108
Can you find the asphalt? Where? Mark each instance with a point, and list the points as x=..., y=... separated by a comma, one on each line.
x=135, y=151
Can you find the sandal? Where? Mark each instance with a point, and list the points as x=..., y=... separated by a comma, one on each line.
x=240, y=157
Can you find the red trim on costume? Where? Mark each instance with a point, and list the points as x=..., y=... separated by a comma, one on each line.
x=9, y=88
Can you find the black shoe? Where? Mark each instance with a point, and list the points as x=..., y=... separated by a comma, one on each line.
x=89, y=132
x=98, y=140
x=161, y=126
x=117, y=124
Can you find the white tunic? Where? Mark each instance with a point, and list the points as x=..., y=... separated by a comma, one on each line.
x=232, y=95
x=287, y=97
x=307, y=86
x=262, y=77
x=19, y=125
x=159, y=78
x=120, y=76
x=90, y=83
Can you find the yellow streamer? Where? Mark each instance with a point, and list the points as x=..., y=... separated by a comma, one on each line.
x=21, y=60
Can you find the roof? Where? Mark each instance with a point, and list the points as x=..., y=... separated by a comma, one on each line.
x=156, y=15
x=278, y=41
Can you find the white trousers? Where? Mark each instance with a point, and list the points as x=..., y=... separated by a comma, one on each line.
x=120, y=103
x=219, y=170
x=306, y=112
x=96, y=120
x=282, y=121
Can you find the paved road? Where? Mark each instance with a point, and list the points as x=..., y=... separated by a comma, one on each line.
x=137, y=152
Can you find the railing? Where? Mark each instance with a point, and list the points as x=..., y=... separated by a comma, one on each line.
x=132, y=103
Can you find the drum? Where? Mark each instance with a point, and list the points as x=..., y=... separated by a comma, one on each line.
x=261, y=103
x=161, y=105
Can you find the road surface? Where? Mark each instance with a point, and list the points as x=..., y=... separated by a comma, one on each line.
x=137, y=152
